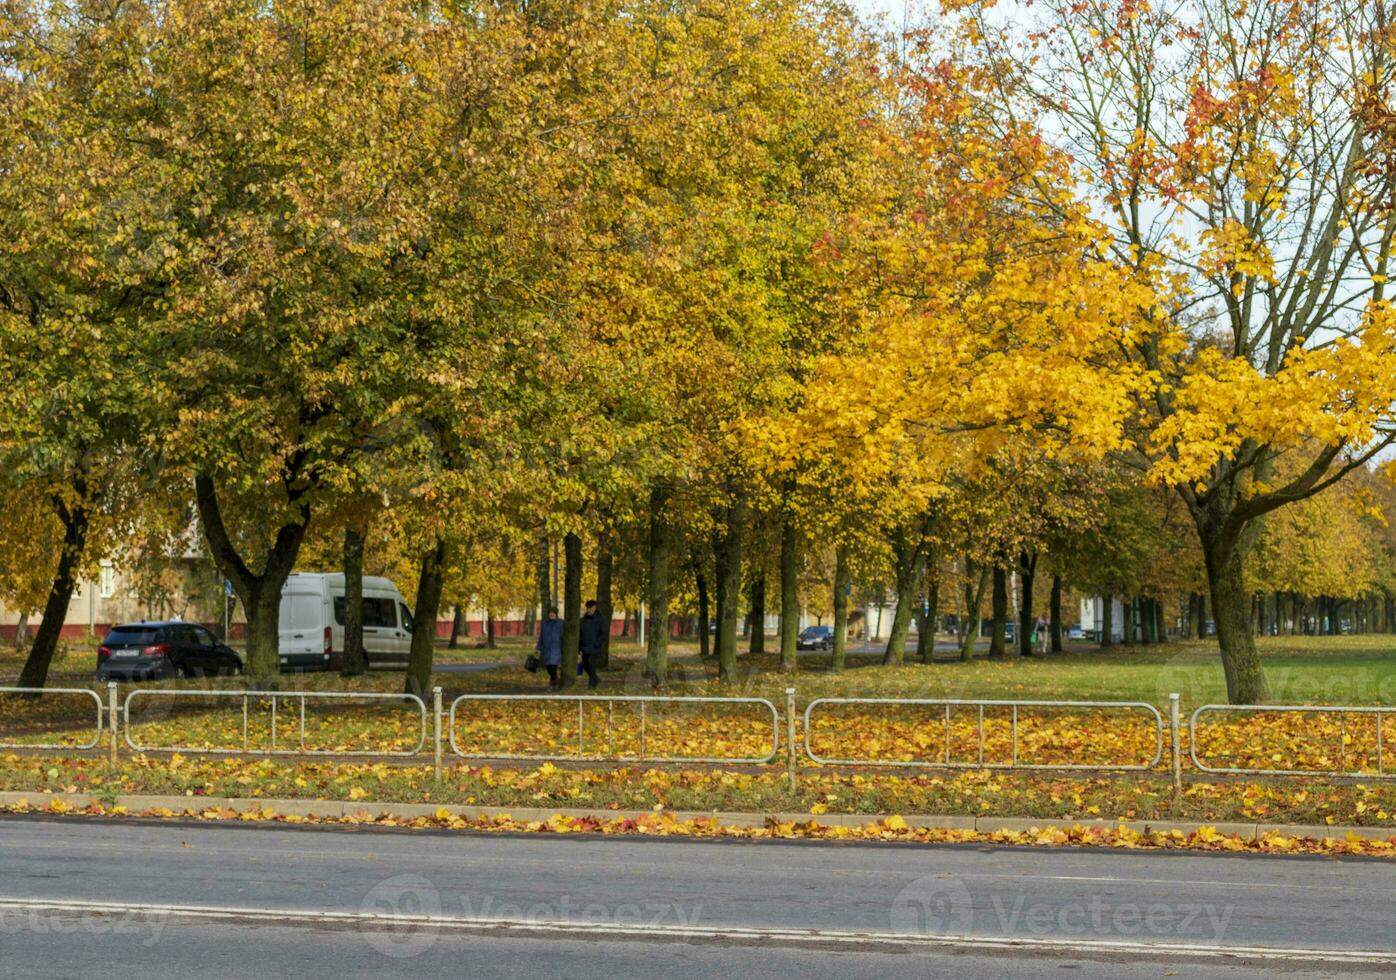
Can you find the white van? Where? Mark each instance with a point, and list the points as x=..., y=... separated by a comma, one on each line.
x=312, y=621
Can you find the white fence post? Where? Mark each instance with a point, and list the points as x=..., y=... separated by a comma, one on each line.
x=436, y=739
x=790, y=734
x=111, y=725
x=1175, y=724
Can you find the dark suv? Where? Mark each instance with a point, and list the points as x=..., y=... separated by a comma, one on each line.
x=151, y=651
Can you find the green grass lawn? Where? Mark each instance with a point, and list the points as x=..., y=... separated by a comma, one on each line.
x=1302, y=670
x=1357, y=670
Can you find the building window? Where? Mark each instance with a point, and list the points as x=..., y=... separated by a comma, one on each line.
x=106, y=583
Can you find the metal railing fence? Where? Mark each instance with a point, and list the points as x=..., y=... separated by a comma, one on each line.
x=983, y=734
x=946, y=706
x=275, y=698
x=640, y=702
x=1342, y=740
x=40, y=692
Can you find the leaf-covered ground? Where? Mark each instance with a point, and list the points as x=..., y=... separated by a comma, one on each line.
x=1352, y=670
x=1057, y=797
x=892, y=828
x=879, y=734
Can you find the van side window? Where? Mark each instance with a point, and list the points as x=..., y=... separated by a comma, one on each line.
x=406, y=616
x=378, y=613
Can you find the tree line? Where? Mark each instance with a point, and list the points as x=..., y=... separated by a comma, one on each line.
x=686, y=282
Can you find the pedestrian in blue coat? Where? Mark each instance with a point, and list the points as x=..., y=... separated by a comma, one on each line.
x=550, y=645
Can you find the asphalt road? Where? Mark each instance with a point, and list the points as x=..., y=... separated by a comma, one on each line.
x=83, y=898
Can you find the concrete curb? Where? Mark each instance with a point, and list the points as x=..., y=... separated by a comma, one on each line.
x=136, y=803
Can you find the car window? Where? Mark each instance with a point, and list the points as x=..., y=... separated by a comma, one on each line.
x=203, y=637
x=123, y=635
x=406, y=616
x=380, y=613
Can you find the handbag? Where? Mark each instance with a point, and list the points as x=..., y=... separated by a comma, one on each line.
x=531, y=663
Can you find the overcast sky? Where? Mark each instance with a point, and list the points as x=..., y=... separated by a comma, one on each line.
x=879, y=6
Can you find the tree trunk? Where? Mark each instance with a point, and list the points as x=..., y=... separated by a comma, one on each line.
x=353, y=660
x=1055, y=611
x=729, y=583
x=1225, y=558
x=756, y=615
x=263, y=608
x=918, y=617
x=704, y=614
x=843, y=580
x=998, y=612
x=789, y=593
x=428, y=605
x=571, y=608
x=457, y=627
x=1027, y=574
x=974, y=603
x=907, y=571
x=926, y=631
x=1107, y=621
x=22, y=631
x=720, y=599
x=489, y=629
x=605, y=604
x=260, y=593
x=1160, y=624
x=542, y=579
x=657, y=646
x=60, y=596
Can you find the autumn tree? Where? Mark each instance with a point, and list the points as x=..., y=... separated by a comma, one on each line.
x=984, y=316
x=295, y=156
x=1242, y=159
x=83, y=265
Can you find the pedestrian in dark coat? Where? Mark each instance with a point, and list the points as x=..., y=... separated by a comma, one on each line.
x=549, y=646
x=593, y=637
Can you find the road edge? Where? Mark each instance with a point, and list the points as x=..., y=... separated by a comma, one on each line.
x=137, y=802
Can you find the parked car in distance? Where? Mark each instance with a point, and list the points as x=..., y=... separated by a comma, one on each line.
x=1075, y=632
x=312, y=621
x=156, y=650
x=815, y=638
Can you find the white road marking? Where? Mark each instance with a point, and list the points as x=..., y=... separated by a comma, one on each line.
x=812, y=937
